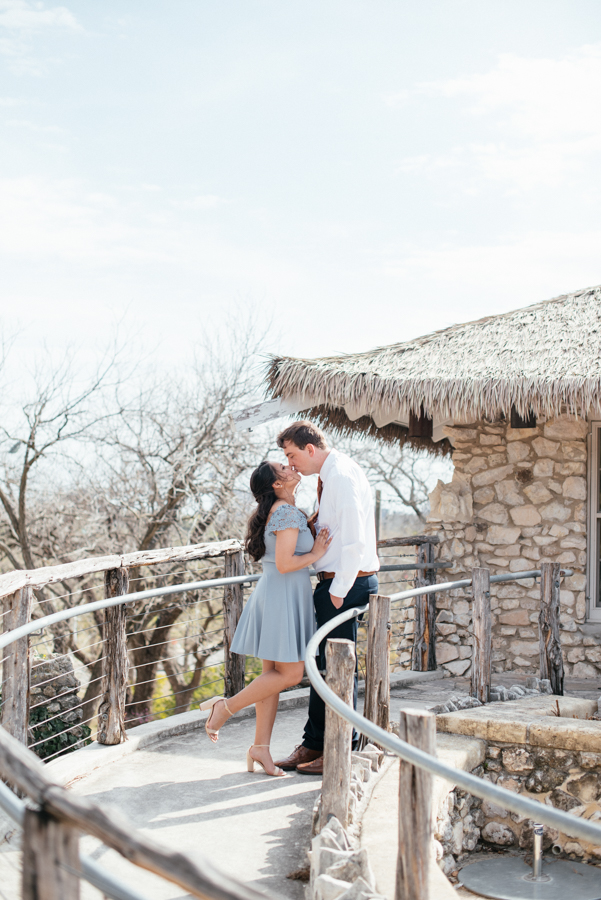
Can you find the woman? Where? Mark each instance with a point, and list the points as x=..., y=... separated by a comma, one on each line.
x=278, y=619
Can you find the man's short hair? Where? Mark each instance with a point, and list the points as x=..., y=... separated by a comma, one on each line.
x=302, y=433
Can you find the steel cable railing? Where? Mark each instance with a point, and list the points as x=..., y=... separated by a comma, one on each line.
x=486, y=790
x=477, y=786
x=90, y=870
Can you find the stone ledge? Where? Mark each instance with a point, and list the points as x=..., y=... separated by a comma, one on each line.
x=533, y=720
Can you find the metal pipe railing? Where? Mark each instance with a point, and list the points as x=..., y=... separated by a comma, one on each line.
x=486, y=790
x=43, y=622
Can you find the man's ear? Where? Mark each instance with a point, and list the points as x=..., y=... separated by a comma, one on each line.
x=311, y=449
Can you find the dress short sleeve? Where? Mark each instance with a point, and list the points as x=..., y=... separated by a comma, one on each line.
x=287, y=516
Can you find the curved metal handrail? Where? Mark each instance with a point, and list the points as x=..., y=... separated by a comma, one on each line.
x=486, y=790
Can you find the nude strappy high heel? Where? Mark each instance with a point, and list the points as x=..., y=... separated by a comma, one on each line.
x=209, y=704
x=250, y=762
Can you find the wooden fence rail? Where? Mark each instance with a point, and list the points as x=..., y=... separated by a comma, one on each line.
x=50, y=838
x=17, y=607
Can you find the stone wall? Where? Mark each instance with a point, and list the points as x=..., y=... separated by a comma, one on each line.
x=567, y=780
x=55, y=720
x=517, y=497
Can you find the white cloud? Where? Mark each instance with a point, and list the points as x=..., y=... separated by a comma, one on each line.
x=543, y=99
x=203, y=201
x=19, y=15
x=543, y=118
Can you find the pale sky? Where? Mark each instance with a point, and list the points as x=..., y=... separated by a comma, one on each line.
x=364, y=172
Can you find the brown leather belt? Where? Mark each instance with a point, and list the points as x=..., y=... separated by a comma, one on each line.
x=327, y=576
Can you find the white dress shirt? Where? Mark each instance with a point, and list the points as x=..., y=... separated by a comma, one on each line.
x=347, y=509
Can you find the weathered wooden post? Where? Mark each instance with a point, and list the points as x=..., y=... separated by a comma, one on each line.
x=111, y=711
x=551, y=659
x=482, y=631
x=423, y=658
x=418, y=728
x=16, y=670
x=233, y=600
x=336, y=785
x=50, y=858
x=377, y=662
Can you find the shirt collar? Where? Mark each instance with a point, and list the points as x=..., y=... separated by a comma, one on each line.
x=328, y=465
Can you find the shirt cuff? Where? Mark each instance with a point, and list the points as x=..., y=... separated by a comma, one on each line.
x=340, y=586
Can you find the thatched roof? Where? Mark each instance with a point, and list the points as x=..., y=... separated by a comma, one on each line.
x=545, y=357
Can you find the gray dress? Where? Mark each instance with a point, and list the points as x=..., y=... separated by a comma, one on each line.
x=279, y=618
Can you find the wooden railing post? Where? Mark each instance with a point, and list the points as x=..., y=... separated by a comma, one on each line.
x=423, y=657
x=551, y=659
x=377, y=662
x=233, y=600
x=418, y=728
x=16, y=672
x=336, y=785
x=50, y=858
x=111, y=711
x=482, y=632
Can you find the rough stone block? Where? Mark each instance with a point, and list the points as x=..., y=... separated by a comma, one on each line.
x=566, y=428
x=575, y=450
x=519, y=434
x=537, y=493
x=492, y=811
x=544, y=447
x=583, y=670
x=558, y=531
x=515, y=617
x=491, y=476
x=517, y=760
x=550, y=835
x=455, y=434
x=517, y=451
x=543, y=468
x=525, y=515
x=446, y=652
x=499, y=534
x=555, y=510
x=495, y=513
x=484, y=495
x=586, y=788
x=507, y=492
x=458, y=667
x=361, y=890
x=327, y=888
x=574, y=487
x=354, y=865
x=499, y=834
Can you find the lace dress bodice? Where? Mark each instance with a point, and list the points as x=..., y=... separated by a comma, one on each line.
x=287, y=516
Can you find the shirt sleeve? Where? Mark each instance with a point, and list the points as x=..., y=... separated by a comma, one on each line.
x=349, y=513
x=286, y=516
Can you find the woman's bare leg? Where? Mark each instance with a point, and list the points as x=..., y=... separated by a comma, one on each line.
x=275, y=677
x=266, y=713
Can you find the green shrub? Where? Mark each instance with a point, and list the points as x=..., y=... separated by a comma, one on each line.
x=49, y=732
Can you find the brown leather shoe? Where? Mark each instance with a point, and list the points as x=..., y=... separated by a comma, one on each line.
x=311, y=768
x=299, y=755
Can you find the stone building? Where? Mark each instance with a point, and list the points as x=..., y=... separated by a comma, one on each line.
x=515, y=400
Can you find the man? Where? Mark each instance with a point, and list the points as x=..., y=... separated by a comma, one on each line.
x=346, y=574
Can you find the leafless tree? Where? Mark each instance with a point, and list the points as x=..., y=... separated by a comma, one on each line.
x=403, y=472
x=130, y=464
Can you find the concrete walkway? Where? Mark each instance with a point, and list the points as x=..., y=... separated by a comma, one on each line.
x=197, y=797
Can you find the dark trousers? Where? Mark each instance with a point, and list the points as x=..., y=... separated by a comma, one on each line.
x=324, y=611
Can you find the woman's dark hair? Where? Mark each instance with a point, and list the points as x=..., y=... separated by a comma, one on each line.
x=261, y=485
